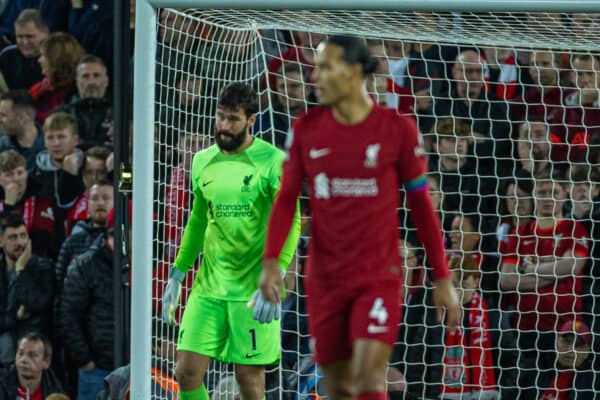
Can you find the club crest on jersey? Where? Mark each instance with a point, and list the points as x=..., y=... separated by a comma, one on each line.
x=246, y=183
x=371, y=155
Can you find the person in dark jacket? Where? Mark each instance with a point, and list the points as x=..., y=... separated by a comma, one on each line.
x=19, y=63
x=30, y=377
x=58, y=168
x=428, y=356
x=91, y=107
x=17, y=122
x=26, y=286
x=85, y=315
x=574, y=377
x=100, y=201
x=21, y=194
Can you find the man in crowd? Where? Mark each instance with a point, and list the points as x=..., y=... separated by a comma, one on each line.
x=541, y=276
x=17, y=122
x=26, y=286
x=85, y=316
x=19, y=63
x=91, y=107
x=22, y=195
x=31, y=377
x=58, y=167
x=86, y=232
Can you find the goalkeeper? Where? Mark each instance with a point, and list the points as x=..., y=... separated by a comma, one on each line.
x=234, y=184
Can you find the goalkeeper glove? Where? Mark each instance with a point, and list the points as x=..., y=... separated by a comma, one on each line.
x=171, y=295
x=265, y=311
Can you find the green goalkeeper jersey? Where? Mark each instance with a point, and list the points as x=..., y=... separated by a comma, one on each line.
x=233, y=195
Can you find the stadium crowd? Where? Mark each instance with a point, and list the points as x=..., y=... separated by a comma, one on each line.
x=513, y=143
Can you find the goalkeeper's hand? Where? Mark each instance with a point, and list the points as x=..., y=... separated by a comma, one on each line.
x=171, y=295
x=267, y=299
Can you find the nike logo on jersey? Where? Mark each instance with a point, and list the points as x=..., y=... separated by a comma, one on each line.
x=206, y=183
x=252, y=355
x=374, y=329
x=318, y=153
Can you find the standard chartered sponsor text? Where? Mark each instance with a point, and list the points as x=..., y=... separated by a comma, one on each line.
x=233, y=210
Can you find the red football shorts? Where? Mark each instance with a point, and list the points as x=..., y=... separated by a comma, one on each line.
x=341, y=314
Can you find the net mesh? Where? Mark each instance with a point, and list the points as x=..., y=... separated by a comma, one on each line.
x=508, y=107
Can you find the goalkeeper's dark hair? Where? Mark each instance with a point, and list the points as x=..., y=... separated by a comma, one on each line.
x=238, y=95
x=356, y=51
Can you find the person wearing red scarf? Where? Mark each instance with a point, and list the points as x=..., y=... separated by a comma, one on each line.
x=468, y=362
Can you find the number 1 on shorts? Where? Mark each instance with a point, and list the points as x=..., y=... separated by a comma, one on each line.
x=253, y=337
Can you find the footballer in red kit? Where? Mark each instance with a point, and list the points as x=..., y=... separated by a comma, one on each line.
x=355, y=156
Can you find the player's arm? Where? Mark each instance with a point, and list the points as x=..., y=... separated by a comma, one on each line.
x=289, y=247
x=411, y=171
x=284, y=219
x=192, y=243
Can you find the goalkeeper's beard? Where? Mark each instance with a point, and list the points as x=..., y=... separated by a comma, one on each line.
x=235, y=140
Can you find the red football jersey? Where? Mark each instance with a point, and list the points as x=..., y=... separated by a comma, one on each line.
x=544, y=308
x=354, y=173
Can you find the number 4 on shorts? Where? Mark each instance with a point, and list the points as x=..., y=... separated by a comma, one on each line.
x=378, y=311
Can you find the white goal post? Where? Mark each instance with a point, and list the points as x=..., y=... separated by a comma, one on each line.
x=488, y=29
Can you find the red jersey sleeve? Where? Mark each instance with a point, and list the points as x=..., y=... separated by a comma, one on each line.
x=580, y=238
x=282, y=213
x=411, y=160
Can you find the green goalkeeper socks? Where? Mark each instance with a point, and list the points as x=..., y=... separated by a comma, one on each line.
x=197, y=394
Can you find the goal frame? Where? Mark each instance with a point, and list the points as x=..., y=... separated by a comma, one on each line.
x=143, y=124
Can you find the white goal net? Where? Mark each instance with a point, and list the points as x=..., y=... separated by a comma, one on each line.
x=508, y=105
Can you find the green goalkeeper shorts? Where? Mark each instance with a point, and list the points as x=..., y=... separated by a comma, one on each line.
x=225, y=331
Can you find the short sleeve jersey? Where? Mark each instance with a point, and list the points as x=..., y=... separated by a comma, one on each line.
x=544, y=308
x=354, y=173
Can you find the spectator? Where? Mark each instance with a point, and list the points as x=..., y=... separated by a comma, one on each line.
x=19, y=63
x=27, y=283
x=289, y=99
x=90, y=107
x=31, y=376
x=85, y=232
x=486, y=115
x=58, y=167
x=88, y=21
x=59, y=55
x=463, y=189
x=516, y=206
x=541, y=277
x=9, y=11
x=22, y=195
x=17, y=118
x=85, y=315
x=435, y=361
x=534, y=147
x=479, y=358
x=582, y=110
x=574, y=378
x=117, y=384
x=94, y=170
x=544, y=98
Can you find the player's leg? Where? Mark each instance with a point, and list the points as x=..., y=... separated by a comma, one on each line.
x=329, y=322
x=339, y=381
x=202, y=336
x=190, y=371
x=369, y=363
x=374, y=328
x=250, y=346
x=251, y=380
